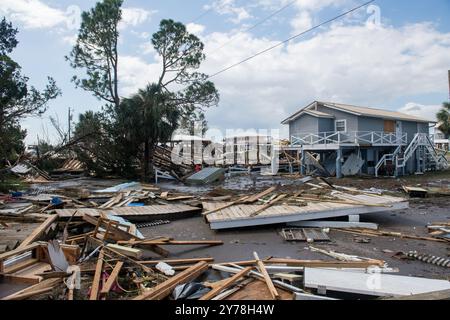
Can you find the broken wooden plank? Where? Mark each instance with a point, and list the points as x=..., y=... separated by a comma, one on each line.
x=261, y=195
x=38, y=232
x=334, y=224
x=129, y=252
x=177, y=261
x=164, y=289
x=314, y=263
x=112, y=278
x=225, y=206
x=97, y=277
x=381, y=233
x=268, y=205
x=226, y=284
x=263, y=271
x=45, y=284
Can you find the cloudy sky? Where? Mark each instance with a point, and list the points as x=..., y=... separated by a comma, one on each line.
x=392, y=55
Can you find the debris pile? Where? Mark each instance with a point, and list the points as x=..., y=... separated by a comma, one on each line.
x=87, y=245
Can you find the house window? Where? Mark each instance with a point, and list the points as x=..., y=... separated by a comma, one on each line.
x=341, y=125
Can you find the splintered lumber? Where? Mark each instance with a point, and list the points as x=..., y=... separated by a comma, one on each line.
x=380, y=233
x=97, y=277
x=39, y=288
x=226, y=284
x=164, y=195
x=268, y=205
x=169, y=242
x=118, y=198
x=164, y=289
x=225, y=206
x=38, y=232
x=174, y=262
x=112, y=278
x=258, y=196
x=111, y=228
x=129, y=252
x=313, y=263
x=263, y=271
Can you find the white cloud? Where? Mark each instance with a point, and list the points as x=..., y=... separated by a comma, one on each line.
x=346, y=63
x=195, y=28
x=135, y=16
x=135, y=73
x=302, y=22
x=33, y=14
x=419, y=110
x=229, y=7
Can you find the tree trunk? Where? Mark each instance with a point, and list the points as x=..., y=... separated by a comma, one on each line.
x=146, y=159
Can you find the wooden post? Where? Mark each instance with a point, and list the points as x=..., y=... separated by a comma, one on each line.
x=263, y=271
x=97, y=277
x=226, y=284
x=112, y=278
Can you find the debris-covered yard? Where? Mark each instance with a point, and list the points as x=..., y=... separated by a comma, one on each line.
x=243, y=237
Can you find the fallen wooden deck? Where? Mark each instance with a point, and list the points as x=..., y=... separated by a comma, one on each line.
x=238, y=216
x=173, y=211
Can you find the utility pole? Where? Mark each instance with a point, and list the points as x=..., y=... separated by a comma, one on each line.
x=70, y=121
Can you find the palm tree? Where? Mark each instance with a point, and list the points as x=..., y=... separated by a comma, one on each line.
x=443, y=117
x=150, y=118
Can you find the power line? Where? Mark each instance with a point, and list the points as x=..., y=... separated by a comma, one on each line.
x=255, y=25
x=202, y=15
x=291, y=38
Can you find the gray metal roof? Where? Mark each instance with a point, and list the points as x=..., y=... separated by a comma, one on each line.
x=356, y=110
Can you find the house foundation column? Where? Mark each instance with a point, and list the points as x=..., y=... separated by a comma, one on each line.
x=339, y=163
x=303, y=163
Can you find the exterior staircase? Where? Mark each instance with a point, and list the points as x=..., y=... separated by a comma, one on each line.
x=429, y=157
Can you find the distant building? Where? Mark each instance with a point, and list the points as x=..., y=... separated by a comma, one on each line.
x=441, y=141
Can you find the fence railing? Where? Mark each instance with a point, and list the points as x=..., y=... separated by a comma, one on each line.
x=355, y=137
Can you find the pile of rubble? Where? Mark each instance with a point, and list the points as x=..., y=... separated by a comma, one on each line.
x=87, y=244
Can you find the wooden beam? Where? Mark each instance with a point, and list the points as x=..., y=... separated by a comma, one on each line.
x=177, y=261
x=129, y=252
x=268, y=205
x=164, y=289
x=38, y=232
x=225, y=206
x=258, y=196
x=97, y=277
x=112, y=278
x=45, y=284
x=263, y=271
x=226, y=284
x=313, y=263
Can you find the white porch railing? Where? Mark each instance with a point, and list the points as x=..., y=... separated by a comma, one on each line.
x=355, y=137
